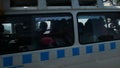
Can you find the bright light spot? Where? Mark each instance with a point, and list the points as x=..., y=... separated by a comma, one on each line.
x=25, y=7
x=82, y=21
x=7, y=28
x=119, y=22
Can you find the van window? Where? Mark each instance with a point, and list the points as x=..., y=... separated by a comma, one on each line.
x=87, y=2
x=117, y=2
x=111, y=2
x=22, y=33
x=23, y=3
x=58, y=2
x=108, y=3
x=58, y=29
x=98, y=27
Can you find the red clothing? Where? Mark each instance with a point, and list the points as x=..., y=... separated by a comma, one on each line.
x=47, y=40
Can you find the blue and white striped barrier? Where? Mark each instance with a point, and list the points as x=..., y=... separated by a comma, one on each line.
x=21, y=59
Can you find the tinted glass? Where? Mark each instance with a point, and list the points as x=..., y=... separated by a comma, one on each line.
x=111, y=2
x=87, y=2
x=98, y=27
x=58, y=2
x=21, y=33
x=22, y=3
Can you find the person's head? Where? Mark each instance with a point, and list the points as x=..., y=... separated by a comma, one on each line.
x=43, y=26
x=108, y=20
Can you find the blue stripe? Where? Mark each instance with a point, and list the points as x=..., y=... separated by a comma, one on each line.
x=101, y=47
x=113, y=45
x=7, y=61
x=44, y=56
x=27, y=58
x=60, y=53
x=75, y=51
x=89, y=49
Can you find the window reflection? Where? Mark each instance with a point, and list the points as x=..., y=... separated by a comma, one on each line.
x=87, y=2
x=111, y=2
x=23, y=3
x=98, y=27
x=58, y=2
x=118, y=2
x=52, y=32
x=7, y=28
x=35, y=32
x=107, y=2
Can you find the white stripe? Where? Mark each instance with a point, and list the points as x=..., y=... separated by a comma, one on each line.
x=107, y=47
x=68, y=52
x=82, y=50
x=1, y=62
x=17, y=60
x=52, y=55
x=35, y=57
